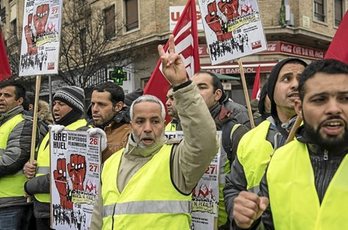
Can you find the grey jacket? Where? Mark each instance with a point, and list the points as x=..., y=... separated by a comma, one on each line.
x=190, y=157
x=16, y=153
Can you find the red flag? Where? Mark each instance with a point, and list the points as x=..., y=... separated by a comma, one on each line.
x=256, y=87
x=5, y=69
x=186, y=44
x=338, y=48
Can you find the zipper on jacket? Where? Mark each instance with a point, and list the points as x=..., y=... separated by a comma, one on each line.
x=326, y=155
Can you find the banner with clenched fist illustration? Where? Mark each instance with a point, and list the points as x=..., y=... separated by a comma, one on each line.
x=75, y=172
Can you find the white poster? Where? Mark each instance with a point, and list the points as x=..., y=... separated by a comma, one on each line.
x=205, y=196
x=74, y=175
x=233, y=29
x=40, y=37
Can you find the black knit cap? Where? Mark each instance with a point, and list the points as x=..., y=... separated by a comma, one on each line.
x=71, y=95
x=272, y=80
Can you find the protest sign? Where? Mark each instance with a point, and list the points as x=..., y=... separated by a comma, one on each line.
x=40, y=37
x=233, y=29
x=75, y=178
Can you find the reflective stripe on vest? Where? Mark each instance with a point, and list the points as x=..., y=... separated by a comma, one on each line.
x=43, y=157
x=43, y=170
x=293, y=195
x=148, y=206
x=11, y=185
x=148, y=201
x=254, y=153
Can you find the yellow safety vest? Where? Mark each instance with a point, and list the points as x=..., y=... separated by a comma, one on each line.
x=43, y=158
x=148, y=201
x=170, y=127
x=11, y=185
x=293, y=196
x=254, y=153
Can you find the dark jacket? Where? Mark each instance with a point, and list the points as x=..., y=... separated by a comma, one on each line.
x=236, y=180
x=324, y=164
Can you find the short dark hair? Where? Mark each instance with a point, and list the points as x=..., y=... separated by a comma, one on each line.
x=329, y=66
x=116, y=91
x=216, y=84
x=19, y=88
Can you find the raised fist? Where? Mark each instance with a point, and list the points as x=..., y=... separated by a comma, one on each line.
x=77, y=171
x=40, y=19
x=214, y=21
x=61, y=183
x=31, y=46
x=229, y=8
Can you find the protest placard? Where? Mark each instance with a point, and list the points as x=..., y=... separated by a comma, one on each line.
x=75, y=178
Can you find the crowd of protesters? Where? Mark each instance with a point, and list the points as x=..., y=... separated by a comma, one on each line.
x=267, y=179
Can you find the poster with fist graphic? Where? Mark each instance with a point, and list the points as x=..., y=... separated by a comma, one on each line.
x=40, y=37
x=75, y=172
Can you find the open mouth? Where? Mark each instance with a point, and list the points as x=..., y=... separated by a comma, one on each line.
x=294, y=95
x=333, y=127
x=147, y=140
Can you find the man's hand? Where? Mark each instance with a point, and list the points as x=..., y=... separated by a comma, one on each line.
x=247, y=208
x=29, y=169
x=77, y=171
x=172, y=65
x=56, y=128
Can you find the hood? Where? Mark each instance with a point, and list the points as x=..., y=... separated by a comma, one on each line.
x=272, y=80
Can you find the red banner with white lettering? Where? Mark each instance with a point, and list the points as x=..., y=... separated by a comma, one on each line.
x=5, y=69
x=186, y=44
x=338, y=48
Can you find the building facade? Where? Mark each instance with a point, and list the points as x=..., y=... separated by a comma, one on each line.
x=134, y=28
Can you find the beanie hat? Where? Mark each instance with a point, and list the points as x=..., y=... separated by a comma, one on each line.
x=71, y=95
x=272, y=80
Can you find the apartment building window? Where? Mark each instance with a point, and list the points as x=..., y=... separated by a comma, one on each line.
x=13, y=27
x=131, y=10
x=109, y=23
x=319, y=10
x=338, y=11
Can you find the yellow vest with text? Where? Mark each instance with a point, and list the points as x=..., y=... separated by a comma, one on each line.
x=43, y=157
x=148, y=201
x=254, y=153
x=11, y=185
x=293, y=196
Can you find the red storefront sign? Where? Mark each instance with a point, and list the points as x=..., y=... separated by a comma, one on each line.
x=281, y=48
x=296, y=50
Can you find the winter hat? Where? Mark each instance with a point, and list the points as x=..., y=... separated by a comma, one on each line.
x=71, y=95
x=272, y=80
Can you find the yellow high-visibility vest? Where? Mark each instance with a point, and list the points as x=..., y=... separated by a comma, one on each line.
x=254, y=153
x=293, y=196
x=11, y=185
x=43, y=158
x=148, y=201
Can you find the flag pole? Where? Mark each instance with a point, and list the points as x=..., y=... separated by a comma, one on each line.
x=35, y=115
x=246, y=94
